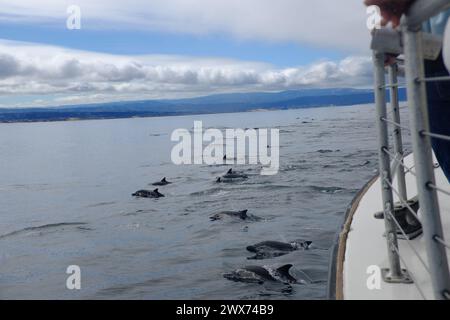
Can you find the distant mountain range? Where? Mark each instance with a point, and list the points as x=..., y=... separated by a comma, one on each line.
x=219, y=103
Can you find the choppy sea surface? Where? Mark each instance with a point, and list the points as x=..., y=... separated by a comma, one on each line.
x=65, y=199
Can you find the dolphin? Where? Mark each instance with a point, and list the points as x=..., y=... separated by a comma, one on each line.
x=272, y=249
x=234, y=175
x=224, y=180
x=238, y=214
x=225, y=158
x=163, y=182
x=148, y=194
x=260, y=275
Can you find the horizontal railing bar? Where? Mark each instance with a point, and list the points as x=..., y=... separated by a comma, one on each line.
x=398, y=125
x=430, y=185
x=435, y=79
x=441, y=241
x=394, y=85
x=403, y=201
x=409, y=243
x=410, y=273
x=387, y=40
x=435, y=135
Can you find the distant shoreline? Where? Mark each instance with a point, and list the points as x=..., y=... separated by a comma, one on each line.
x=101, y=116
x=214, y=104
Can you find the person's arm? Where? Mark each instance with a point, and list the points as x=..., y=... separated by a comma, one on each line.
x=391, y=10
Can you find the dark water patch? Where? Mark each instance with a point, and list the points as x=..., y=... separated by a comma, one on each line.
x=324, y=151
x=330, y=166
x=284, y=131
x=324, y=135
x=362, y=164
x=157, y=134
x=139, y=212
x=85, y=229
x=370, y=154
x=46, y=227
x=327, y=190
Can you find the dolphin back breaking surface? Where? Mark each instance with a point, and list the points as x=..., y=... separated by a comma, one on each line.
x=260, y=275
x=273, y=249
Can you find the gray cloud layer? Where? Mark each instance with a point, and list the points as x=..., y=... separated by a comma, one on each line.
x=27, y=69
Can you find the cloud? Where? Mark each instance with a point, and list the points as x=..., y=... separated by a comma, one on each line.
x=323, y=23
x=31, y=69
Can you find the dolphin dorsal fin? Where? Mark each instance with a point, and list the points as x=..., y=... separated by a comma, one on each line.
x=218, y=180
x=284, y=270
x=243, y=214
x=230, y=171
x=156, y=190
x=163, y=179
x=306, y=245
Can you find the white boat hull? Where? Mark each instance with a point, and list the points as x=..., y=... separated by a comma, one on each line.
x=362, y=248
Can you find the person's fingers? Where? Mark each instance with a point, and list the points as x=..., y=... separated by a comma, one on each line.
x=391, y=10
x=375, y=2
x=395, y=21
x=381, y=3
x=387, y=17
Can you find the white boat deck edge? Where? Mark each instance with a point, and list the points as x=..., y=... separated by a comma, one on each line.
x=366, y=246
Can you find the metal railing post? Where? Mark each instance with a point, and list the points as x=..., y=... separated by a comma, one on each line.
x=398, y=142
x=429, y=206
x=394, y=273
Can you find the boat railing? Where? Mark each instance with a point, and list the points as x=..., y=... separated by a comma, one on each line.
x=416, y=46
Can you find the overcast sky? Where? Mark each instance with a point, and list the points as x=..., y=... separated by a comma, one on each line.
x=136, y=49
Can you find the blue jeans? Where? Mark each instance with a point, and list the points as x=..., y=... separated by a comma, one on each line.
x=438, y=95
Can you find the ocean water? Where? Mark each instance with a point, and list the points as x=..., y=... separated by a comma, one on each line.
x=65, y=199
